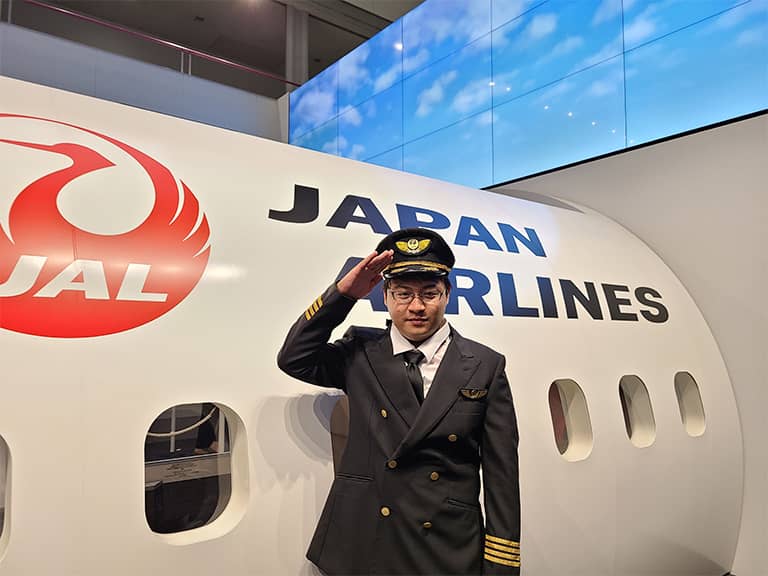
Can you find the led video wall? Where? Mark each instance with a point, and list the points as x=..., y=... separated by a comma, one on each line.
x=480, y=92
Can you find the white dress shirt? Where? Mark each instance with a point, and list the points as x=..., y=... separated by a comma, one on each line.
x=433, y=349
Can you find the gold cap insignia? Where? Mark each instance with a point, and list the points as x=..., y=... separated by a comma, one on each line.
x=413, y=246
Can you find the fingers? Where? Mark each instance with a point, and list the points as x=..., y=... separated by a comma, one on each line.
x=363, y=265
x=362, y=278
x=379, y=262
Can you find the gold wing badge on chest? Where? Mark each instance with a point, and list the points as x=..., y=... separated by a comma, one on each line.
x=413, y=246
x=473, y=393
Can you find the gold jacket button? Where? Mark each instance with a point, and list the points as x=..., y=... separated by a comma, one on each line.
x=392, y=464
x=434, y=476
x=452, y=438
x=427, y=525
x=383, y=413
x=385, y=511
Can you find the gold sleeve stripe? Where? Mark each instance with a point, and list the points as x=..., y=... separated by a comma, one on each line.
x=502, y=541
x=315, y=307
x=308, y=315
x=319, y=300
x=427, y=263
x=503, y=548
x=502, y=554
x=500, y=561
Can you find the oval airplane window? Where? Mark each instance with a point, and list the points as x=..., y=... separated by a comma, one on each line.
x=570, y=420
x=638, y=412
x=187, y=468
x=689, y=401
x=5, y=474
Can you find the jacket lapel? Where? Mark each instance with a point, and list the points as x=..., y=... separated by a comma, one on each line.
x=390, y=372
x=456, y=369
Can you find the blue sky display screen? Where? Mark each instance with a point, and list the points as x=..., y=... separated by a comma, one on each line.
x=480, y=92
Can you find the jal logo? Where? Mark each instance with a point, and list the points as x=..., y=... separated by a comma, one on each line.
x=96, y=237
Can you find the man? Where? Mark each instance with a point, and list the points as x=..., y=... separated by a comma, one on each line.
x=427, y=409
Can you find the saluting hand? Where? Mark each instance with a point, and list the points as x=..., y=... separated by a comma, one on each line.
x=359, y=281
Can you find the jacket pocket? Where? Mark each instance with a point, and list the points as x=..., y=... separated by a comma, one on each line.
x=469, y=407
x=353, y=477
x=463, y=505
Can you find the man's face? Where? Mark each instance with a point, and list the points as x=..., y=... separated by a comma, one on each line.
x=417, y=320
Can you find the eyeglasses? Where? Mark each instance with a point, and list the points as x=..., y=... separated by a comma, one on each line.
x=406, y=297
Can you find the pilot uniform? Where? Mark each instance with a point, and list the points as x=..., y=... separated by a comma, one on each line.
x=405, y=499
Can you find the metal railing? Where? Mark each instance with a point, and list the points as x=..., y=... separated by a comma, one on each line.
x=185, y=51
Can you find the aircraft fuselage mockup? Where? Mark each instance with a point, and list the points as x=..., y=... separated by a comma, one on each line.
x=149, y=264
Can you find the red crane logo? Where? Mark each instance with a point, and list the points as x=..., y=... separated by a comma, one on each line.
x=59, y=280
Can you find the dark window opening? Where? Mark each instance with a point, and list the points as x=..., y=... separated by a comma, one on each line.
x=187, y=470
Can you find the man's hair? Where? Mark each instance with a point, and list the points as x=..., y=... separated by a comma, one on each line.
x=420, y=278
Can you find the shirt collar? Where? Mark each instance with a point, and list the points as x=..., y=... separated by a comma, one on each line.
x=429, y=347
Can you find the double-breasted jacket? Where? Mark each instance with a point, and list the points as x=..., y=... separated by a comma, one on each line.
x=406, y=497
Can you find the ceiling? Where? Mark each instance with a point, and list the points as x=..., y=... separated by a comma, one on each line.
x=251, y=32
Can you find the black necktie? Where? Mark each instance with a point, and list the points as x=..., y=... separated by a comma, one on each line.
x=412, y=359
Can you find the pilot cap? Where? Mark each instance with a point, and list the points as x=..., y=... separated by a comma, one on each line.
x=417, y=250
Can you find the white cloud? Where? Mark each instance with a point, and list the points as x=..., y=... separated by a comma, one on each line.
x=652, y=52
x=501, y=36
x=610, y=9
x=369, y=109
x=748, y=12
x=505, y=11
x=387, y=78
x=567, y=46
x=553, y=93
x=631, y=73
x=434, y=94
x=602, y=87
x=475, y=22
x=351, y=116
x=610, y=50
x=610, y=83
x=435, y=22
x=605, y=11
x=750, y=37
x=562, y=48
x=335, y=146
x=472, y=97
x=416, y=61
x=353, y=72
x=424, y=26
x=506, y=77
x=315, y=107
x=486, y=119
x=481, y=44
x=730, y=19
x=640, y=28
x=505, y=81
x=356, y=152
x=542, y=25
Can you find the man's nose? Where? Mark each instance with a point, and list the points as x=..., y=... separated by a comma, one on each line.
x=417, y=303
